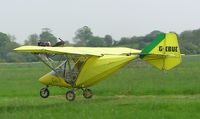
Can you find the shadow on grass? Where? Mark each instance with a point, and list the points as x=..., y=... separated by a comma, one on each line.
x=28, y=107
x=18, y=106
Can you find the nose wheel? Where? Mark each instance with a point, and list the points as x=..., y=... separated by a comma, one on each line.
x=87, y=93
x=44, y=93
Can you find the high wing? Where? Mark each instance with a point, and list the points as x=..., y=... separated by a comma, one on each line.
x=94, y=51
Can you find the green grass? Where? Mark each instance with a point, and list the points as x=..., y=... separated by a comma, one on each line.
x=137, y=91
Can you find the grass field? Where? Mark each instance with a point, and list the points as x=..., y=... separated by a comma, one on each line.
x=138, y=92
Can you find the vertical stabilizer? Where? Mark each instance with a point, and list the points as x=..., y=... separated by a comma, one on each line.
x=163, y=52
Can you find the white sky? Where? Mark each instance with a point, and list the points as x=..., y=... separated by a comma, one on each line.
x=115, y=17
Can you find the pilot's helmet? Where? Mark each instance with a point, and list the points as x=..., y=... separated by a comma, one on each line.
x=48, y=43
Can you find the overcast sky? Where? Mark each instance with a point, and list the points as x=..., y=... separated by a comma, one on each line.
x=115, y=17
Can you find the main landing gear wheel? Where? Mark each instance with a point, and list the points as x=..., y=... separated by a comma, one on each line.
x=87, y=93
x=44, y=93
x=70, y=95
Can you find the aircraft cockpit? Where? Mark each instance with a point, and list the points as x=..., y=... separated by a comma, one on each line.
x=64, y=66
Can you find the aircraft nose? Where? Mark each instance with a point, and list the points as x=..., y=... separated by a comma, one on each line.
x=45, y=79
x=50, y=79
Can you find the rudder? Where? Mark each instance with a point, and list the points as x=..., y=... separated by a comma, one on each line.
x=163, y=52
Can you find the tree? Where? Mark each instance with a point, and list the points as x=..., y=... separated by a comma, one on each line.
x=14, y=57
x=67, y=43
x=12, y=38
x=7, y=44
x=124, y=40
x=4, y=41
x=189, y=41
x=32, y=40
x=47, y=36
x=108, y=40
x=95, y=41
x=151, y=36
x=82, y=36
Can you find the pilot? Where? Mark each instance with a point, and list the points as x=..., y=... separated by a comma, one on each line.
x=40, y=43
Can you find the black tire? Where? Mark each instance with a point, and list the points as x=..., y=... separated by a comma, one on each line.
x=44, y=93
x=87, y=93
x=70, y=95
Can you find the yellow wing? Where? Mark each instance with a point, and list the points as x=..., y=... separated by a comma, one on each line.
x=95, y=51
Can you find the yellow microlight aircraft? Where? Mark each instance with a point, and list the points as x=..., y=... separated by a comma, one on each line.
x=82, y=67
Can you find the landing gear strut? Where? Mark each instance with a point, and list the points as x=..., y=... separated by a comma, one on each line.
x=44, y=92
x=87, y=93
x=70, y=95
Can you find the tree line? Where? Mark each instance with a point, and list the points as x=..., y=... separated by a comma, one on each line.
x=189, y=42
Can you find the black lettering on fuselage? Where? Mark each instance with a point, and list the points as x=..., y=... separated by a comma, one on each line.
x=168, y=48
x=160, y=48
